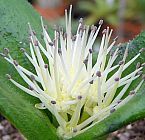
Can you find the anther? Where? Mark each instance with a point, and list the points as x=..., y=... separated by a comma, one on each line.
x=116, y=79
x=53, y=102
x=8, y=76
x=31, y=88
x=74, y=130
x=32, y=77
x=55, y=27
x=90, y=50
x=141, y=50
x=101, y=22
x=91, y=82
x=104, y=31
x=112, y=110
x=46, y=66
x=73, y=37
x=36, y=43
x=85, y=61
x=15, y=63
x=34, y=33
x=81, y=20
x=51, y=43
x=6, y=51
x=80, y=97
x=121, y=62
x=132, y=92
x=22, y=50
x=93, y=28
x=98, y=73
x=138, y=65
x=45, y=27
x=119, y=101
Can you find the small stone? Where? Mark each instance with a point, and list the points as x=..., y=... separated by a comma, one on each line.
x=6, y=137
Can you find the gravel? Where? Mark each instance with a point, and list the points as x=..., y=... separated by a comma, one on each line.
x=8, y=132
x=134, y=131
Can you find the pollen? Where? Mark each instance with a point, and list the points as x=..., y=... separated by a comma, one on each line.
x=66, y=81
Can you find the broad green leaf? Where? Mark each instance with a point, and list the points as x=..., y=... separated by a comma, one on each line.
x=15, y=105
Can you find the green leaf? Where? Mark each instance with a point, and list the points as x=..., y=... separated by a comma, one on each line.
x=15, y=105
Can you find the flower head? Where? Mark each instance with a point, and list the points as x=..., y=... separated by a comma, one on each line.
x=78, y=93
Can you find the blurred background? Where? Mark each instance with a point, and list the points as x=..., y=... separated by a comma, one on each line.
x=125, y=17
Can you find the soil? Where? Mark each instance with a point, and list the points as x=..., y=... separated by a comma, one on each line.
x=134, y=131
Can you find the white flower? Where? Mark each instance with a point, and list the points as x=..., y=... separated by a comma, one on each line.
x=78, y=93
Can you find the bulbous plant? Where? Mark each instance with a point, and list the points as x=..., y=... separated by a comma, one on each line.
x=87, y=100
x=78, y=93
